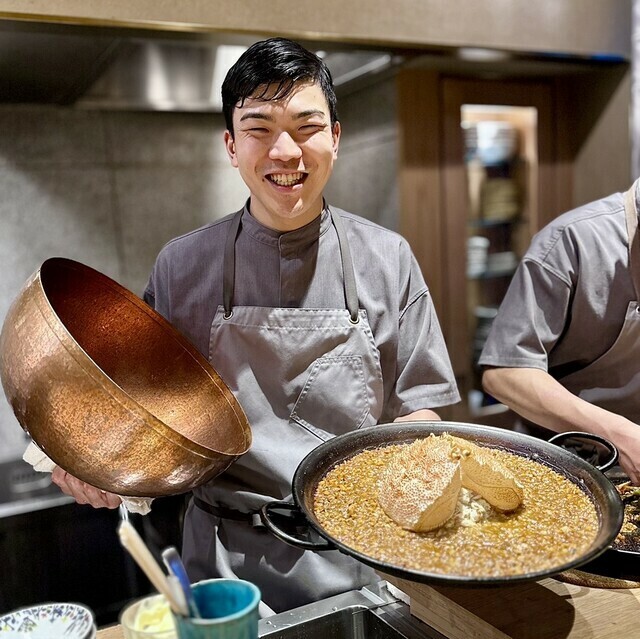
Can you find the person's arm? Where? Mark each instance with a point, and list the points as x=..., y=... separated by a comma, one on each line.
x=82, y=492
x=538, y=397
x=424, y=379
x=423, y=414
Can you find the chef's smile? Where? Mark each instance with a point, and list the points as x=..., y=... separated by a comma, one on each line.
x=287, y=180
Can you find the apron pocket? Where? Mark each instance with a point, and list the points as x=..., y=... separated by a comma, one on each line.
x=334, y=398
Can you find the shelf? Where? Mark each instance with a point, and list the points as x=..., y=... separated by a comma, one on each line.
x=476, y=409
x=492, y=274
x=487, y=224
x=493, y=409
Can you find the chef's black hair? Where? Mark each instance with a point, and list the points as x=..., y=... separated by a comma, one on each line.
x=276, y=61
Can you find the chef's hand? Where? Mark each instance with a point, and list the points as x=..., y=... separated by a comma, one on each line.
x=626, y=436
x=424, y=414
x=82, y=492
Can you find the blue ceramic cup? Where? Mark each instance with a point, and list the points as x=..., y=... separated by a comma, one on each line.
x=229, y=610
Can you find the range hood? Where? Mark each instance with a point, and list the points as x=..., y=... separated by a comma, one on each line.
x=162, y=76
x=157, y=72
x=116, y=68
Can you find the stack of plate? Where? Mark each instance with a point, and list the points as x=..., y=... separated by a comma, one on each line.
x=499, y=199
x=502, y=261
x=496, y=141
x=477, y=247
x=484, y=319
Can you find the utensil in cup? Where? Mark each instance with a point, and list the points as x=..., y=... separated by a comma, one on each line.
x=132, y=541
x=173, y=562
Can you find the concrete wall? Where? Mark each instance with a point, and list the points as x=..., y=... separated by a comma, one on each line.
x=365, y=177
x=110, y=188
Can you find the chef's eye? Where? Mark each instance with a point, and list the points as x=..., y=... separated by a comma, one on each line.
x=311, y=128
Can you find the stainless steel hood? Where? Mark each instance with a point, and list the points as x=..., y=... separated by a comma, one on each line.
x=163, y=76
x=116, y=69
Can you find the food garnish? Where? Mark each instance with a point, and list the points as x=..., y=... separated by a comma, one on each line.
x=421, y=485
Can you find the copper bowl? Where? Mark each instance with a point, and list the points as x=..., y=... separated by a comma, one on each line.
x=110, y=391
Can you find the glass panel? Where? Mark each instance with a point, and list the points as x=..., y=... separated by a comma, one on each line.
x=501, y=166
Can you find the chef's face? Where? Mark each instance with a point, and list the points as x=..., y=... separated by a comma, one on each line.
x=284, y=150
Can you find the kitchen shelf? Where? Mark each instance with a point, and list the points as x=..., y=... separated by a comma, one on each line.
x=492, y=274
x=500, y=207
x=491, y=409
x=489, y=224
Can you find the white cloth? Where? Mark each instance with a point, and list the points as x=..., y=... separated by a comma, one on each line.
x=34, y=456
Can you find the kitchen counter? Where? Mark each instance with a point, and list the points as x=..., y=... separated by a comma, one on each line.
x=544, y=609
x=373, y=613
x=548, y=608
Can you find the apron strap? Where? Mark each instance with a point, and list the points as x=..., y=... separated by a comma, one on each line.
x=350, y=288
x=229, y=264
x=229, y=267
x=631, y=215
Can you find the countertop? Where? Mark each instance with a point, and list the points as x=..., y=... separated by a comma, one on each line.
x=369, y=612
x=548, y=608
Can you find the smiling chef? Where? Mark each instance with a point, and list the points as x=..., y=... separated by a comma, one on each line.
x=319, y=321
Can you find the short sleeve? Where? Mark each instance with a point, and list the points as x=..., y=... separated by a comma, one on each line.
x=156, y=293
x=530, y=320
x=425, y=377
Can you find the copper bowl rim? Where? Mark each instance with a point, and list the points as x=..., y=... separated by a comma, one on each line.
x=90, y=367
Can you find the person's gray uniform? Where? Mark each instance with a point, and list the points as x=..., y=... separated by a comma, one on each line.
x=572, y=306
x=319, y=337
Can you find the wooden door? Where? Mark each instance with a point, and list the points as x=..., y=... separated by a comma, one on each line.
x=436, y=206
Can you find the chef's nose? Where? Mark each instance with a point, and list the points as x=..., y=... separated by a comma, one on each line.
x=285, y=148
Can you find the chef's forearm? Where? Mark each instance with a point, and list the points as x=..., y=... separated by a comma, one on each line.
x=535, y=395
x=538, y=397
x=424, y=414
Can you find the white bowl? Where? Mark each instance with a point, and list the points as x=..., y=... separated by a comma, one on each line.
x=49, y=621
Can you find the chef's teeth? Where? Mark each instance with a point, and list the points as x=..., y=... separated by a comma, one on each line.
x=288, y=179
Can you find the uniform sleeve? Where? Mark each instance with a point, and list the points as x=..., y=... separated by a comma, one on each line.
x=530, y=319
x=156, y=291
x=424, y=376
x=149, y=295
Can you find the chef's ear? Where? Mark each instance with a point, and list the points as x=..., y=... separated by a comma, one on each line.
x=230, y=145
x=335, y=132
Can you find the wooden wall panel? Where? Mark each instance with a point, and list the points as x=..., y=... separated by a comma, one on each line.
x=420, y=219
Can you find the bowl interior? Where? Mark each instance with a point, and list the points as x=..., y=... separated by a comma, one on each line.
x=144, y=356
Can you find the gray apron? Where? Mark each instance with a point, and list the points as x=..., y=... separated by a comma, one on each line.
x=612, y=381
x=302, y=376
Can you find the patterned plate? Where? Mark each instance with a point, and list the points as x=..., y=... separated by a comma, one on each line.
x=49, y=621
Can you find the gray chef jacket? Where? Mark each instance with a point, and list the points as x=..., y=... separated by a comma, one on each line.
x=296, y=270
x=302, y=269
x=566, y=304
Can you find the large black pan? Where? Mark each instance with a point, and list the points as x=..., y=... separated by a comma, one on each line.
x=618, y=563
x=321, y=460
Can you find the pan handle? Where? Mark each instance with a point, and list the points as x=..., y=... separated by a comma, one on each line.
x=560, y=437
x=291, y=517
